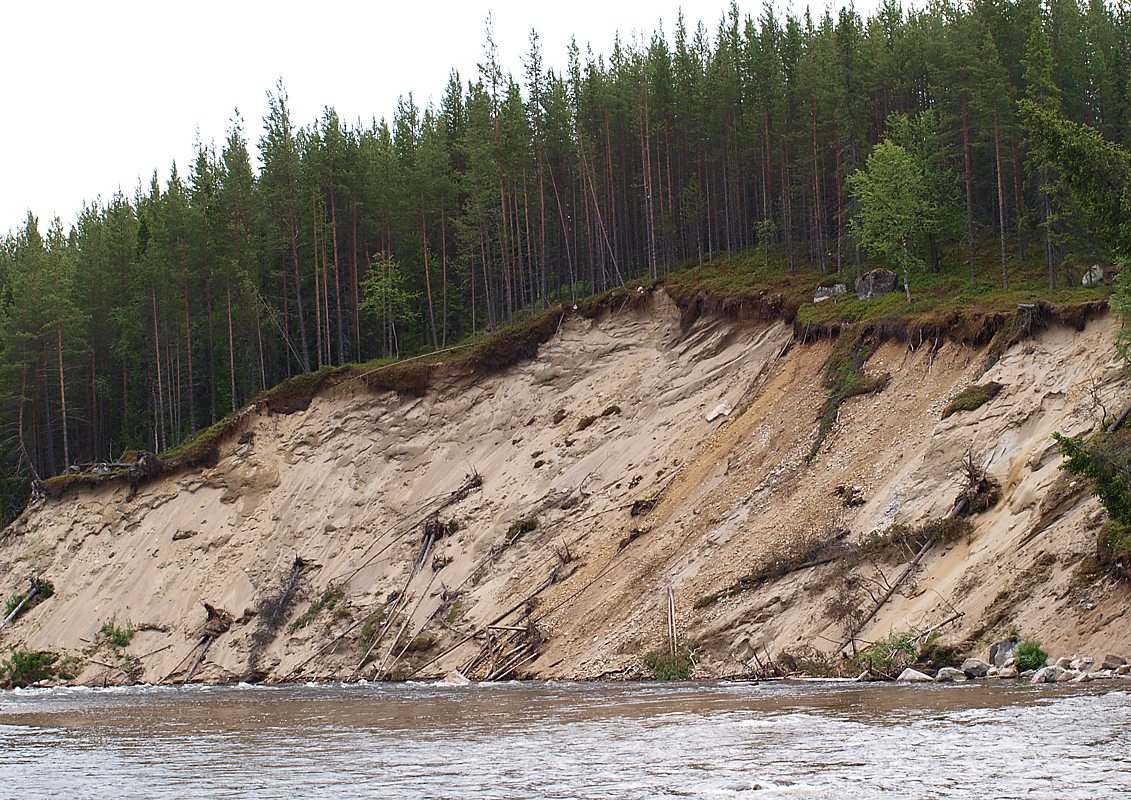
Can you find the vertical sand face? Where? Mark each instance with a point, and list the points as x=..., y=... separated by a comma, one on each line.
x=391, y=525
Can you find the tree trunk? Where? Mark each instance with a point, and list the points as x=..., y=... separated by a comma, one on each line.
x=62, y=394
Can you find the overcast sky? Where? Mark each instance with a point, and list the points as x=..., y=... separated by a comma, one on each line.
x=96, y=95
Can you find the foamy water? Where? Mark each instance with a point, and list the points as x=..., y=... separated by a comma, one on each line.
x=555, y=740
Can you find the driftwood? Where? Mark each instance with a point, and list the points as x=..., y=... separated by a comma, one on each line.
x=887, y=595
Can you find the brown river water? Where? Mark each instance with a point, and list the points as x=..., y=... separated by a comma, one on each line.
x=567, y=740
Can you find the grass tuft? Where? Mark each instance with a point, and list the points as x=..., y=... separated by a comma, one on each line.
x=973, y=397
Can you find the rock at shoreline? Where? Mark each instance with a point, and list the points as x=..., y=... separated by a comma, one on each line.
x=1113, y=662
x=1003, y=652
x=1069, y=675
x=950, y=675
x=1046, y=675
x=1063, y=663
x=456, y=678
x=975, y=668
x=914, y=676
x=1007, y=673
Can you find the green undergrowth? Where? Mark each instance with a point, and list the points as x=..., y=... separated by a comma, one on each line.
x=115, y=635
x=23, y=667
x=676, y=666
x=1105, y=459
x=973, y=397
x=1030, y=655
x=44, y=589
x=330, y=597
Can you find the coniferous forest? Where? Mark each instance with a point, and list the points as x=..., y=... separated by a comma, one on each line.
x=157, y=314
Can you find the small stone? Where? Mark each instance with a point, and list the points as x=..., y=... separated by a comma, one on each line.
x=950, y=675
x=975, y=668
x=1113, y=662
x=1008, y=673
x=993, y=672
x=1010, y=662
x=1083, y=677
x=914, y=676
x=181, y=535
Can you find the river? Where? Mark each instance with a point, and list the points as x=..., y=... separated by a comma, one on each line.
x=564, y=740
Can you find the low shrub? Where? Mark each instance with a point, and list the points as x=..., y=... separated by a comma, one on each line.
x=24, y=667
x=675, y=666
x=890, y=655
x=1030, y=655
x=115, y=635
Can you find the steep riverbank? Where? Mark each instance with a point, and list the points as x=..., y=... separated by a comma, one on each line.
x=531, y=522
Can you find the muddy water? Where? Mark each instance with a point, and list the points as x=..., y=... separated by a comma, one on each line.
x=569, y=741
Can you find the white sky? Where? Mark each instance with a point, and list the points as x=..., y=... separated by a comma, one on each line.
x=96, y=95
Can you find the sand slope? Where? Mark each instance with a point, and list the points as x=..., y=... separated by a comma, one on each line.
x=612, y=411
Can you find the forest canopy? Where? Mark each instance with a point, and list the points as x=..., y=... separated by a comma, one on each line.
x=157, y=314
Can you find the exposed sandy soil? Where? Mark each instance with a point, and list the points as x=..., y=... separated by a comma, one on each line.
x=715, y=422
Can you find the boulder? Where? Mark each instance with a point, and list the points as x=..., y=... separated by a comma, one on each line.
x=914, y=676
x=1113, y=662
x=975, y=668
x=1084, y=664
x=825, y=292
x=876, y=283
x=456, y=678
x=950, y=675
x=1069, y=675
x=1063, y=663
x=1083, y=677
x=1007, y=673
x=1093, y=277
x=1123, y=669
x=1046, y=675
x=1002, y=652
x=993, y=672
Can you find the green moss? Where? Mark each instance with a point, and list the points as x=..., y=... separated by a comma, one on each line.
x=370, y=627
x=973, y=397
x=520, y=528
